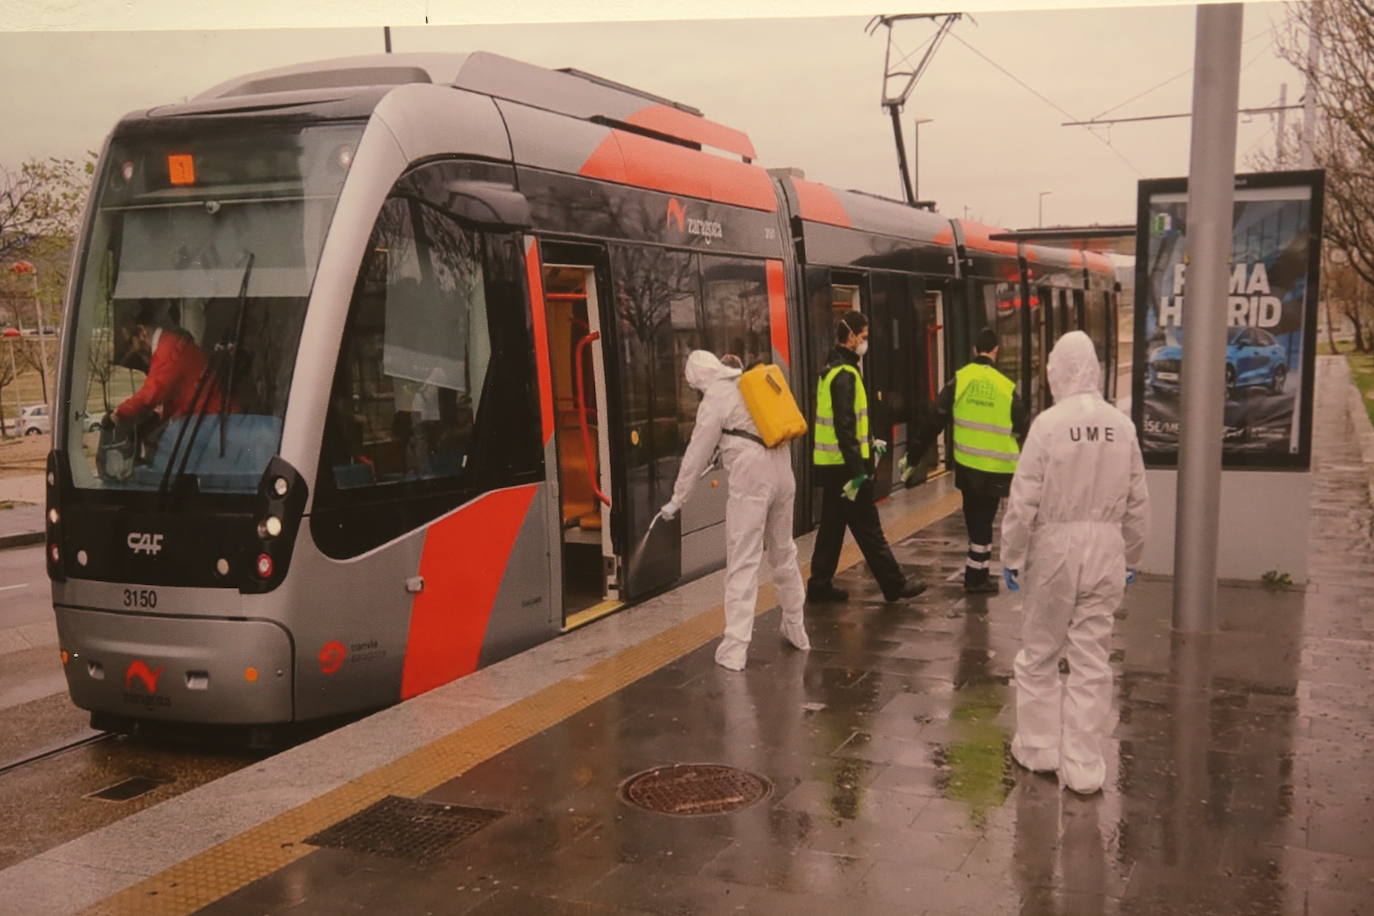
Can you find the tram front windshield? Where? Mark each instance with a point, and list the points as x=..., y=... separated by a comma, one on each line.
x=191, y=298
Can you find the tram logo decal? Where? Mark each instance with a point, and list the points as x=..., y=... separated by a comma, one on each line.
x=675, y=214
x=332, y=657
x=705, y=228
x=141, y=542
x=139, y=671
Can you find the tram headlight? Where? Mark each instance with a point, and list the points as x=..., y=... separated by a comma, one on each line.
x=270, y=527
x=264, y=566
x=53, y=516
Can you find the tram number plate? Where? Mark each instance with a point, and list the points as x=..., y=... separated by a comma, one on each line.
x=140, y=597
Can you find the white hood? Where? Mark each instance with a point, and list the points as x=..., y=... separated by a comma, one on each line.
x=1073, y=367
x=703, y=369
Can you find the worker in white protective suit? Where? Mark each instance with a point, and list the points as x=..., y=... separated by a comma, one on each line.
x=1075, y=524
x=758, y=515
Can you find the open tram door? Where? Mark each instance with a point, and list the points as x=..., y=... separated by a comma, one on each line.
x=587, y=554
x=935, y=369
x=610, y=487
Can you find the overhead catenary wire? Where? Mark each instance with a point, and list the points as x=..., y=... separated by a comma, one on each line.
x=1042, y=97
x=1178, y=76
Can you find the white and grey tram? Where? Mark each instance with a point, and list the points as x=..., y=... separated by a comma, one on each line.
x=414, y=389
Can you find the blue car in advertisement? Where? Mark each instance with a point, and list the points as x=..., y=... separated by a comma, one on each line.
x=1253, y=359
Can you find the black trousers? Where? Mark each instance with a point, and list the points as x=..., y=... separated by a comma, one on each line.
x=979, y=511
x=860, y=516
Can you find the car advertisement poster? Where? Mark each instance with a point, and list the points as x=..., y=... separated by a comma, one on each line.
x=1271, y=314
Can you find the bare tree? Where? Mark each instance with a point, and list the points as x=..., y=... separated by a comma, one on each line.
x=1342, y=84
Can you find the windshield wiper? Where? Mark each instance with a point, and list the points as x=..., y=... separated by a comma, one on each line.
x=217, y=367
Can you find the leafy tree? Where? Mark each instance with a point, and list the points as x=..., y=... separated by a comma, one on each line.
x=40, y=208
x=41, y=203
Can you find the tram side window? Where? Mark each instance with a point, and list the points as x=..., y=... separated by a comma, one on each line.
x=655, y=290
x=416, y=355
x=1002, y=308
x=736, y=304
x=1095, y=323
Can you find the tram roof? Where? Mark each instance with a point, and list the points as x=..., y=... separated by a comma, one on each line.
x=568, y=91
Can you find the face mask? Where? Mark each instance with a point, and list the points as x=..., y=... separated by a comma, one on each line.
x=862, y=348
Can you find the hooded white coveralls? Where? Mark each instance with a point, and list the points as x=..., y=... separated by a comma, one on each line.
x=758, y=515
x=1075, y=520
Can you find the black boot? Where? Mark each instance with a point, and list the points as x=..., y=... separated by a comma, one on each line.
x=908, y=590
x=819, y=594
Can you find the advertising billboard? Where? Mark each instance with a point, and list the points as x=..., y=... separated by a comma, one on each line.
x=1271, y=317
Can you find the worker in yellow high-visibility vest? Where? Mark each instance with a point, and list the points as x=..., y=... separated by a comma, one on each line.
x=990, y=422
x=843, y=459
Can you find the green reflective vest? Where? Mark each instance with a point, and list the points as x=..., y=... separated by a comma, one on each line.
x=827, y=449
x=982, y=420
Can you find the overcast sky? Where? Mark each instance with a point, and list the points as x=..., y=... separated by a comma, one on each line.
x=806, y=90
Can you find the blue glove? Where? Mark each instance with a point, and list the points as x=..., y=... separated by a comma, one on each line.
x=1009, y=577
x=1130, y=576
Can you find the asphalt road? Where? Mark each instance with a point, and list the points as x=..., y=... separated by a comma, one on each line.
x=47, y=802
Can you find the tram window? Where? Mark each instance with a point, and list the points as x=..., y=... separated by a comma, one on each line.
x=417, y=365
x=1095, y=322
x=736, y=303
x=1002, y=309
x=219, y=271
x=655, y=289
x=687, y=336
x=844, y=297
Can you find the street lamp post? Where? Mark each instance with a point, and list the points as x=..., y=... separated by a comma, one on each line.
x=1040, y=220
x=916, y=157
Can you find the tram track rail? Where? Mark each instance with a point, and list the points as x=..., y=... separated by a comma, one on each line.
x=47, y=753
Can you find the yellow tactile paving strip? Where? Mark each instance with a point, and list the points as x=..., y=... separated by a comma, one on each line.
x=262, y=850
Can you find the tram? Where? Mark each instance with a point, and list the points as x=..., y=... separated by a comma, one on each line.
x=392, y=352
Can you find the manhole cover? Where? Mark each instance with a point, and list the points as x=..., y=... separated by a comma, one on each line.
x=405, y=828
x=694, y=788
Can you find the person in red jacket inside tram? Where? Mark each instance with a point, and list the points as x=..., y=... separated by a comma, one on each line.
x=175, y=366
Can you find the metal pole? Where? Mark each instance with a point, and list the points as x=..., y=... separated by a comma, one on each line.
x=1283, y=125
x=916, y=160
x=1211, y=192
x=1309, y=99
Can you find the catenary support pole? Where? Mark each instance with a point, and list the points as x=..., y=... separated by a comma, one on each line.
x=1211, y=188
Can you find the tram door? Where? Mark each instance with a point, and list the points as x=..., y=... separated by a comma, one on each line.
x=932, y=314
x=896, y=361
x=1042, y=340
x=578, y=374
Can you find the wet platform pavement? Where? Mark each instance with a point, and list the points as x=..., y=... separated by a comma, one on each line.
x=1240, y=767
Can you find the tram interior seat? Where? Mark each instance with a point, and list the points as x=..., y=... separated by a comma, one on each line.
x=250, y=441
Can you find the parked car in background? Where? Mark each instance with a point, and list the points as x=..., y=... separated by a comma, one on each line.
x=34, y=420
